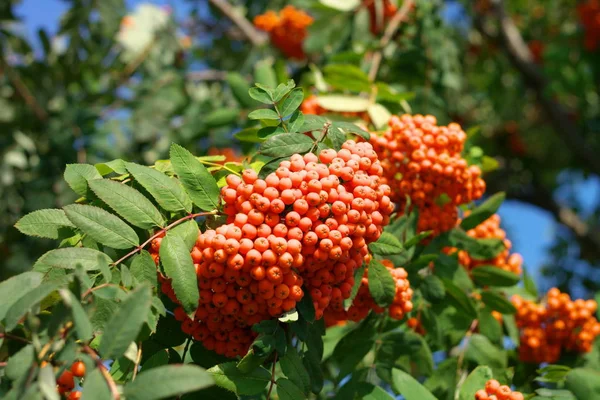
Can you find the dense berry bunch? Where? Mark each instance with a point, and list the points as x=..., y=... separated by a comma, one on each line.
x=379, y=18
x=489, y=229
x=287, y=29
x=363, y=302
x=589, y=15
x=66, y=381
x=310, y=105
x=308, y=223
x=494, y=391
x=560, y=323
x=423, y=161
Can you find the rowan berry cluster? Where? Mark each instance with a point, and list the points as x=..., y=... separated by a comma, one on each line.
x=287, y=29
x=363, y=303
x=489, y=229
x=378, y=19
x=423, y=161
x=560, y=323
x=66, y=381
x=589, y=15
x=310, y=105
x=308, y=223
x=494, y=391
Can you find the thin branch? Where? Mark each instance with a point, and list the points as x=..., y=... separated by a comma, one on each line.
x=389, y=33
x=160, y=232
x=461, y=356
x=23, y=91
x=272, y=377
x=109, y=380
x=256, y=37
x=138, y=359
x=518, y=53
x=13, y=337
x=186, y=348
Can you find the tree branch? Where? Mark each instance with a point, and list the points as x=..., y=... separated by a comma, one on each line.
x=510, y=39
x=256, y=37
x=389, y=33
x=23, y=91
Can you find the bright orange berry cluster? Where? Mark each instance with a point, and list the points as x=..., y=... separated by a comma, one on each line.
x=494, y=391
x=363, y=302
x=66, y=381
x=589, y=15
x=287, y=29
x=376, y=23
x=308, y=223
x=423, y=161
x=488, y=229
x=560, y=323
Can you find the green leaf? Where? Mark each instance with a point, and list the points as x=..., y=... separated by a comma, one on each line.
x=197, y=181
x=292, y=102
x=341, y=103
x=358, y=274
x=379, y=115
x=26, y=302
x=287, y=390
x=490, y=275
x=433, y=288
x=381, y=283
x=368, y=391
x=167, y=381
x=292, y=367
x=70, y=258
x=102, y=226
x=188, y=231
x=12, y=288
x=143, y=268
x=221, y=117
x=489, y=326
x=286, y=144
x=296, y=121
x=95, y=387
x=167, y=192
x=354, y=346
x=125, y=324
x=282, y=90
x=386, y=245
x=529, y=284
x=264, y=75
x=484, y=211
x=264, y=113
x=78, y=175
x=261, y=95
x=347, y=77
x=128, y=203
x=497, y=301
x=178, y=265
x=239, y=87
x=409, y=387
x=474, y=382
x=249, y=135
x=228, y=377
x=117, y=166
x=482, y=352
x=459, y=299
x=478, y=249
x=44, y=223
x=306, y=308
x=81, y=322
x=20, y=362
x=351, y=128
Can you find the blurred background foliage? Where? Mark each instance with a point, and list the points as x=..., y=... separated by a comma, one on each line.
x=522, y=76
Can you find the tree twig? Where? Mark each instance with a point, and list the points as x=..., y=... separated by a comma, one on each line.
x=23, y=91
x=138, y=359
x=255, y=37
x=272, y=377
x=389, y=33
x=510, y=39
x=109, y=380
x=13, y=337
x=461, y=355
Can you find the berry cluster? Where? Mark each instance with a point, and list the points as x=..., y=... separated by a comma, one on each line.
x=589, y=15
x=378, y=19
x=490, y=228
x=494, y=391
x=363, y=302
x=423, y=161
x=310, y=105
x=560, y=323
x=308, y=223
x=66, y=381
x=287, y=29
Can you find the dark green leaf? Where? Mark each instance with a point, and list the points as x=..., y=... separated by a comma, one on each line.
x=287, y=390
x=260, y=95
x=19, y=363
x=433, y=289
x=482, y=352
x=474, y=382
x=229, y=377
x=292, y=367
x=239, y=87
x=188, y=231
x=128, y=203
x=381, y=283
x=26, y=302
x=167, y=381
x=143, y=268
x=126, y=323
x=351, y=128
x=386, y=245
x=497, y=301
x=306, y=308
x=13, y=288
x=221, y=117
x=490, y=275
x=197, y=181
x=459, y=299
x=78, y=175
x=264, y=113
x=482, y=212
x=179, y=266
x=95, y=387
x=44, y=223
x=81, y=322
x=70, y=258
x=529, y=284
x=409, y=387
x=478, y=249
x=167, y=192
x=292, y=102
x=286, y=144
x=283, y=89
x=102, y=226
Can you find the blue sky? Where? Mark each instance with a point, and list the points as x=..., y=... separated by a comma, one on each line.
x=531, y=230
